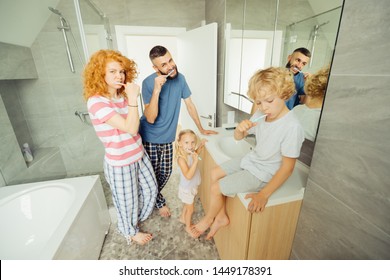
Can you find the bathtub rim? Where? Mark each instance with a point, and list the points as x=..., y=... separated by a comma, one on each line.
x=49, y=251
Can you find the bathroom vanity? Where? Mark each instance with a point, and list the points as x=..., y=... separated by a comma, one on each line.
x=266, y=235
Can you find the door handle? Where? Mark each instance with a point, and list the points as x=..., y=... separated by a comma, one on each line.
x=209, y=117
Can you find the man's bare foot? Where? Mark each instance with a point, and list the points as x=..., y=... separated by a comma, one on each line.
x=201, y=227
x=164, y=211
x=216, y=225
x=190, y=231
x=142, y=238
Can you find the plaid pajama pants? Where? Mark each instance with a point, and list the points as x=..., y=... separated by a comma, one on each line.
x=161, y=158
x=134, y=190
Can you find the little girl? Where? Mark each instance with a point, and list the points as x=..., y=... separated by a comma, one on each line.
x=188, y=146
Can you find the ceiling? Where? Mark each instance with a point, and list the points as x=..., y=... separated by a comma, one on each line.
x=22, y=20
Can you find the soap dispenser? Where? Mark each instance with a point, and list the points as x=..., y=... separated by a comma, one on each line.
x=27, y=154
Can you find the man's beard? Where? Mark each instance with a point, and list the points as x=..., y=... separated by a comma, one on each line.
x=170, y=77
x=288, y=66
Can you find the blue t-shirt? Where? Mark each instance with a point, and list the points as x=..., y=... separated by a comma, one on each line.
x=299, y=80
x=163, y=130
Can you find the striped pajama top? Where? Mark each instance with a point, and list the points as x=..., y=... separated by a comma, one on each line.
x=121, y=148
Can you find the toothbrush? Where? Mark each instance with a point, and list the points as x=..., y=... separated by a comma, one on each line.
x=299, y=71
x=258, y=118
x=188, y=150
x=170, y=72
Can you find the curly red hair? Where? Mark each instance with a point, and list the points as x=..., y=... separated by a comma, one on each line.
x=95, y=71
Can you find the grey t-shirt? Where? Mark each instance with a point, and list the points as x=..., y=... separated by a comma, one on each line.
x=283, y=137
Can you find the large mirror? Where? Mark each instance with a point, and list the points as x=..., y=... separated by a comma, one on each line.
x=263, y=33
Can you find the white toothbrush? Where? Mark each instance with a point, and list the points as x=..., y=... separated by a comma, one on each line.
x=297, y=69
x=188, y=150
x=170, y=72
x=258, y=118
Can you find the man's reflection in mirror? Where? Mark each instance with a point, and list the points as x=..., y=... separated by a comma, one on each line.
x=309, y=112
x=296, y=62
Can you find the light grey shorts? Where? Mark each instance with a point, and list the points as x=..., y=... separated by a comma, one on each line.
x=187, y=195
x=238, y=180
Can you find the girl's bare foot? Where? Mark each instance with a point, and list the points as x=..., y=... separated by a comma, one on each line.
x=216, y=225
x=190, y=231
x=142, y=238
x=201, y=227
x=164, y=211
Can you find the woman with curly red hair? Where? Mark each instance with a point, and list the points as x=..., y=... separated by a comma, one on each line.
x=112, y=100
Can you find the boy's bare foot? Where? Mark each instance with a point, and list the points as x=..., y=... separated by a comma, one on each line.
x=201, y=227
x=142, y=238
x=216, y=225
x=164, y=211
x=190, y=231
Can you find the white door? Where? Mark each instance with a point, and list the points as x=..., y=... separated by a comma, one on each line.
x=195, y=53
x=197, y=60
x=136, y=41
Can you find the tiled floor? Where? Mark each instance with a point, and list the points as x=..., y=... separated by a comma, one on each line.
x=170, y=240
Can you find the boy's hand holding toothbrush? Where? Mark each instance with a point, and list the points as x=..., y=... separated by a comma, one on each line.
x=242, y=128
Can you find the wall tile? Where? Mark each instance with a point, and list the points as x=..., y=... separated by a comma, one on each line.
x=9, y=93
x=353, y=138
x=16, y=62
x=365, y=41
x=346, y=204
x=11, y=160
x=330, y=230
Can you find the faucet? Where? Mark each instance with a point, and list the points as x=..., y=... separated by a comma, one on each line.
x=82, y=116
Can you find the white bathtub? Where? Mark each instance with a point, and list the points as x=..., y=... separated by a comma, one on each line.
x=59, y=219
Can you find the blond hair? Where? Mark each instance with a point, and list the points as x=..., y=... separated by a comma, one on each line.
x=95, y=71
x=179, y=152
x=273, y=80
x=316, y=84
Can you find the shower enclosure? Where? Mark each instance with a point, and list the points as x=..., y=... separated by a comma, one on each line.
x=318, y=34
x=95, y=25
x=40, y=110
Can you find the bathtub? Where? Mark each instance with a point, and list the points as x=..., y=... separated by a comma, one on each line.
x=59, y=219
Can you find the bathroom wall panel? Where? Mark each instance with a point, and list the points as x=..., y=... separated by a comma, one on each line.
x=9, y=93
x=365, y=41
x=36, y=98
x=330, y=229
x=16, y=62
x=349, y=159
x=346, y=204
x=11, y=159
x=53, y=51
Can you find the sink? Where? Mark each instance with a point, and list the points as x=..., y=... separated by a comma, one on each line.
x=233, y=148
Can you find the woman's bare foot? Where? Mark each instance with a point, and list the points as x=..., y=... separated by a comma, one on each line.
x=216, y=225
x=164, y=211
x=142, y=238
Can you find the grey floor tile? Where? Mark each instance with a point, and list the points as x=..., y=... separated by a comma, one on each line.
x=170, y=240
